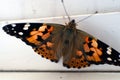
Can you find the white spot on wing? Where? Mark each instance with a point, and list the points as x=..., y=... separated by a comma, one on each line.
x=26, y=26
x=20, y=33
x=109, y=59
x=13, y=25
x=14, y=31
x=109, y=50
x=115, y=61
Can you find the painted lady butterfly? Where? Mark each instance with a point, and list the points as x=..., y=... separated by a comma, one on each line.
x=53, y=41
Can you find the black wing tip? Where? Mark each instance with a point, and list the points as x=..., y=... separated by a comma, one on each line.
x=6, y=28
x=110, y=56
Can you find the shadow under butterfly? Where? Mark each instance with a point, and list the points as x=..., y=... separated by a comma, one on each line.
x=53, y=41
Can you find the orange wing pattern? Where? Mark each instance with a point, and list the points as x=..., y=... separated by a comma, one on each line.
x=98, y=52
x=52, y=42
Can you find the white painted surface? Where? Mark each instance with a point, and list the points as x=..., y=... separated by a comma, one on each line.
x=60, y=76
x=24, y=9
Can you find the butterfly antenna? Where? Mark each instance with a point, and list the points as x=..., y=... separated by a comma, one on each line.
x=87, y=17
x=65, y=10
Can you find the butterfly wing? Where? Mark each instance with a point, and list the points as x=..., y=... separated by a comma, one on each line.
x=38, y=35
x=91, y=51
x=97, y=52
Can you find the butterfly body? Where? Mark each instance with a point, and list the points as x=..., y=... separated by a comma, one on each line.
x=53, y=41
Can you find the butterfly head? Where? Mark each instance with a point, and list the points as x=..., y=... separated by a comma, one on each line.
x=71, y=24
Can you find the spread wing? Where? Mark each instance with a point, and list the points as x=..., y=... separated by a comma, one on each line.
x=38, y=35
x=91, y=51
x=97, y=52
x=47, y=40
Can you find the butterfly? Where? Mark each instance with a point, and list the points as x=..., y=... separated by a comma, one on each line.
x=53, y=41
